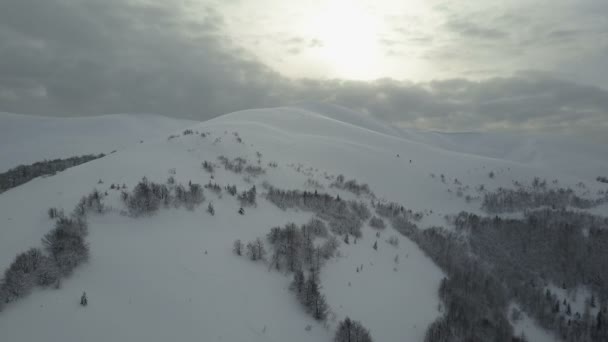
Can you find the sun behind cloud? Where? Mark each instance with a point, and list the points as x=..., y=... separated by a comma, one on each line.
x=349, y=34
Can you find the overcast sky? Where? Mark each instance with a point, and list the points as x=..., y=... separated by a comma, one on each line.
x=432, y=64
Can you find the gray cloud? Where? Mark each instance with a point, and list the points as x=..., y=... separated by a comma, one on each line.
x=112, y=56
x=531, y=101
x=474, y=30
x=295, y=45
x=91, y=57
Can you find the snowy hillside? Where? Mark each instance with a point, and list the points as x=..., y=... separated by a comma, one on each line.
x=26, y=139
x=173, y=275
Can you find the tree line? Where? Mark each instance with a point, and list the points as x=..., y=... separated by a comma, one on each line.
x=511, y=200
x=25, y=173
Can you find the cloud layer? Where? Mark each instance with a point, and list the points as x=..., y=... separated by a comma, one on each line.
x=94, y=57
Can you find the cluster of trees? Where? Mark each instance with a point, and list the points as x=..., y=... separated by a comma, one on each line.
x=564, y=247
x=393, y=241
x=512, y=200
x=248, y=197
x=475, y=301
x=352, y=331
x=254, y=250
x=236, y=165
x=294, y=248
x=392, y=209
x=400, y=218
x=65, y=248
x=351, y=185
x=231, y=189
x=602, y=179
x=66, y=243
x=376, y=222
x=254, y=170
x=214, y=187
x=92, y=202
x=344, y=217
x=294, y=251
x=208, y=166
x=308, y=293
x=147, y=197
x=29, y=269
x=504, y=260
x=24, y=173
x=55, y=213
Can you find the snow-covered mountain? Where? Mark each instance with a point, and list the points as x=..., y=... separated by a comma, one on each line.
x=173, y=275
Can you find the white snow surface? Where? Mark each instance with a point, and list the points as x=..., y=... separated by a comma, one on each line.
x=173, y=276
x=526, y=326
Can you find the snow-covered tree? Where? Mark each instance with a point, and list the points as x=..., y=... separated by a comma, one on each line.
x=352, y=331
x=237, y=247
x=84, y=301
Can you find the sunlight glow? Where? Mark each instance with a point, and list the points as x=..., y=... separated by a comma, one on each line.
x=350, y=38
x=345, y=39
